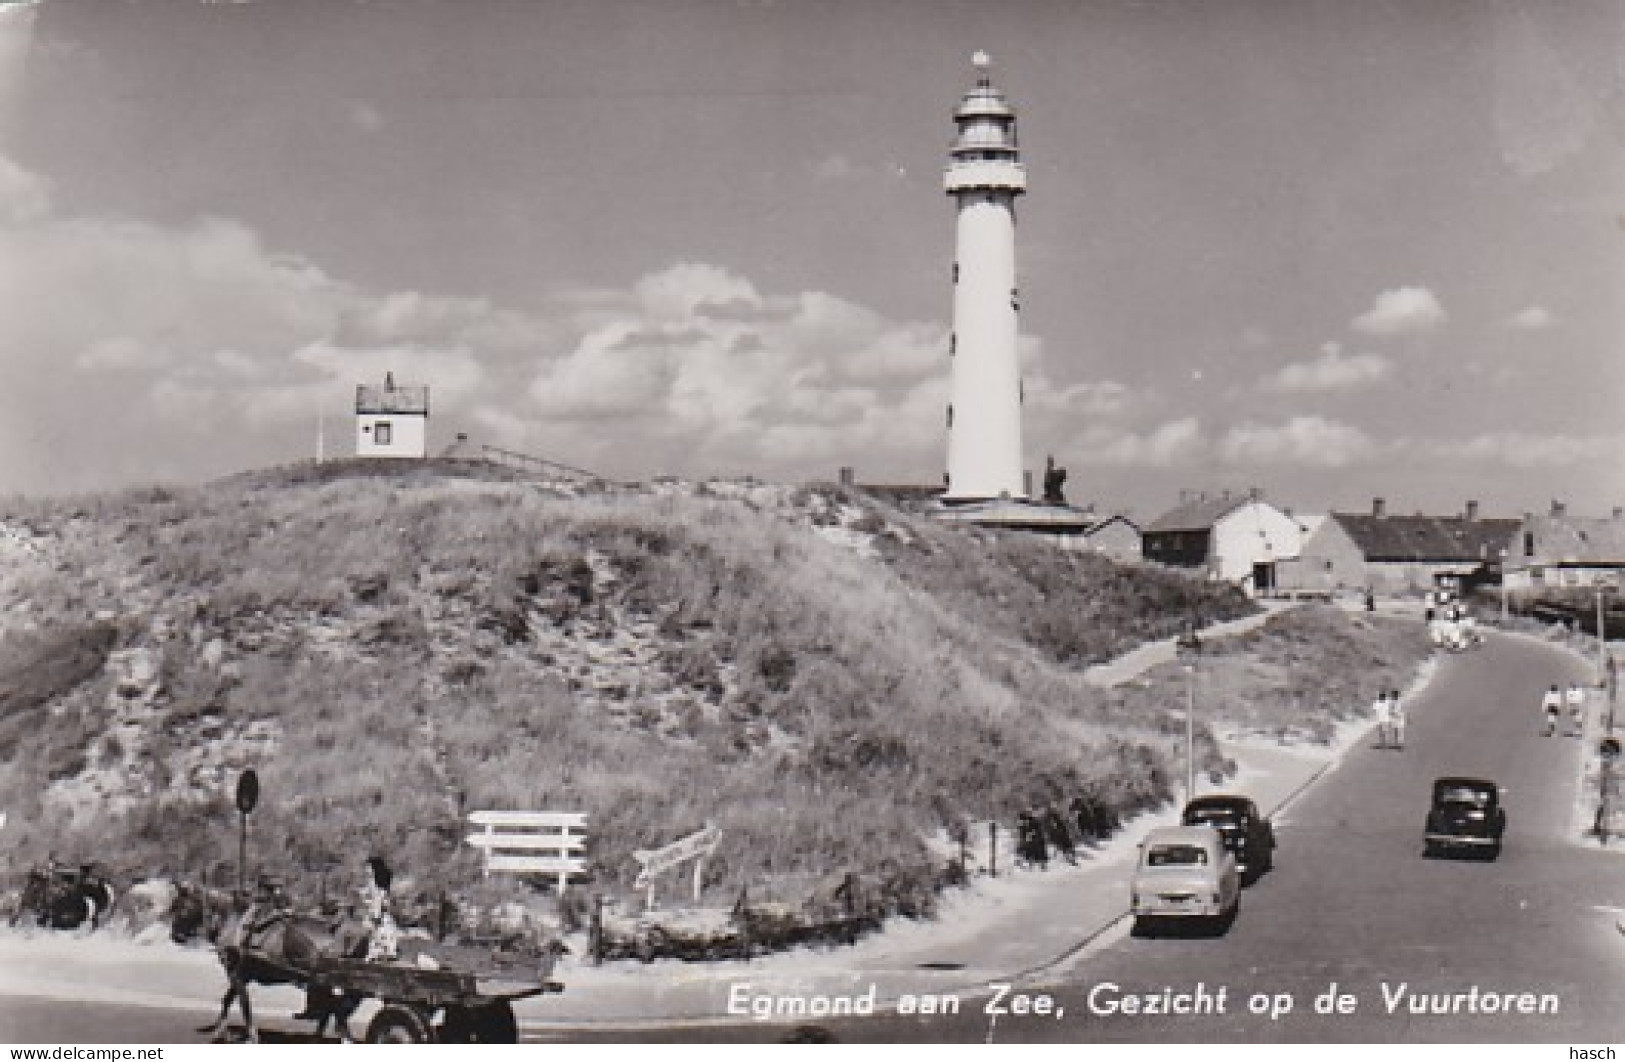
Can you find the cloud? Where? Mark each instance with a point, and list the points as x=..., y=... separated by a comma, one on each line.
x=24, y=196
x=1165, y=446
x=1525, y=450
x=206, y=350
x=1331, y=371
x=694, y=360
x=1531, y=319
x=1402, y=311
x=1309, y=440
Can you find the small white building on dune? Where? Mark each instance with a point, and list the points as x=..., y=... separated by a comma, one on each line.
x=391, y=421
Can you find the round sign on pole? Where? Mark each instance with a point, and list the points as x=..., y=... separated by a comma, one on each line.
x=248, y=791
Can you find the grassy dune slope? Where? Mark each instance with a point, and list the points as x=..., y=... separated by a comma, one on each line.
x=827, y=679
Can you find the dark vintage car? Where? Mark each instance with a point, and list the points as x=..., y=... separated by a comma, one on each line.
x=1466, y=816
x=1247, y=834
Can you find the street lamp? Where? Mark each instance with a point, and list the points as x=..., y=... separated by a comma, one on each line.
x=1603, y=585
x=1503, y=587
x=1189, y=650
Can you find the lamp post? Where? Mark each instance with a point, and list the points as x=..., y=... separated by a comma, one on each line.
x=1503, y=587
x=1603, y=585
x=1189, y=649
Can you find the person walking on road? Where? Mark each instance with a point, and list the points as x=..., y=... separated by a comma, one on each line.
x=1396, y=718
x=1384, y=713
x=1575, y=698
x=1551, y=706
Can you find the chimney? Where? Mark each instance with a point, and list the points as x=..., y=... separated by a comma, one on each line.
x=848, y=478
x=1379, y=507
x=1472, y=510
x=1559, y=510
x=1027, y=482
x=1255, y=493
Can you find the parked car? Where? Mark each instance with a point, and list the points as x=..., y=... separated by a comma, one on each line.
x=1248, y=834
x=1184, y=873
x=1466, y=815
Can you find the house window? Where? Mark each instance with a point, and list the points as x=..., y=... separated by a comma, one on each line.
x=381, y=433
x=1528, y=543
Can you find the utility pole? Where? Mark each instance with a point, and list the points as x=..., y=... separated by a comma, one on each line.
x=1189, y=649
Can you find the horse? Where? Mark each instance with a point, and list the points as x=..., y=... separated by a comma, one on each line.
x=279, y=947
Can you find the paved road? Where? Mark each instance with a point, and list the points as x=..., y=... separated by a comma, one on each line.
x=1351, y=901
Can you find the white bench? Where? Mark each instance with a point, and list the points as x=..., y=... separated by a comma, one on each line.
x=532, y=842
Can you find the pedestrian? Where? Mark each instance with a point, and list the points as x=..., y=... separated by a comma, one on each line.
x=1576, y=701
x=1396, y=718
x=1384, y=713
x=1551, y=706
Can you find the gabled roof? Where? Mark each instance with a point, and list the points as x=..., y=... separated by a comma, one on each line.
x=1115, y=518
x=1202, y=513
x=1577, y=540
x=1198, y=515
x=1428, y=538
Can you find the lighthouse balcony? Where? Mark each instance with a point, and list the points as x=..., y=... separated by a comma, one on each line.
x=969, y=176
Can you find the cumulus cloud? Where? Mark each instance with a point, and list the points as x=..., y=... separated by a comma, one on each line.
x=1402, y=311
x=1525, y=450
x=1331, y=371
x=1531, y=319
x=24, y=196
x=694, y=359
x=1308, y=440
x=1164, y=446
x=206, y=350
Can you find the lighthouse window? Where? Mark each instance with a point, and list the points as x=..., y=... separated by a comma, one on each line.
x=950, y=416
x=953, y=343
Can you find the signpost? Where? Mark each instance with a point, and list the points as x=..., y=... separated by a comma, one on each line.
x=696, y=846
x=1189, y=649
x=1603, y=585
x=248, y=794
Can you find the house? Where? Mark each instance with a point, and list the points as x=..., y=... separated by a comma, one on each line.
x=1557, y=549
x=1236, y=538
x=1116, y=537
x=391, y=421
x=1390, y=553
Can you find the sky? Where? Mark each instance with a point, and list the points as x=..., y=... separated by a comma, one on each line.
x=1330, y=250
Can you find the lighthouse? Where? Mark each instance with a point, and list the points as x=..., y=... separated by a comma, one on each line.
x=984, y=176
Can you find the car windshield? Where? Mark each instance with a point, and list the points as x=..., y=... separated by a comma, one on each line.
x=1215, y=816
x=1176, y=855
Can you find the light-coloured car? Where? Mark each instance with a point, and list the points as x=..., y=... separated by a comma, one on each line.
x=1184, y=873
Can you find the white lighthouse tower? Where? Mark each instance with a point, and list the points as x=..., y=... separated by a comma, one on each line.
x=984, y=413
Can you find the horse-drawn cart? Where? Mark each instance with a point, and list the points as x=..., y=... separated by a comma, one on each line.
x=446, y=993
x=471, y=1008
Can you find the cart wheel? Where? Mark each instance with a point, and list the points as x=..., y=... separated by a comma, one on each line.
x=492, y=1023
x=399, y=1025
